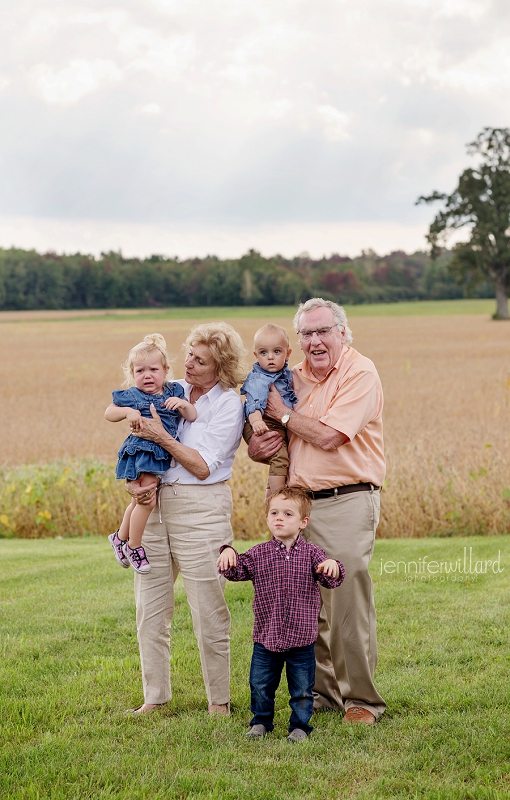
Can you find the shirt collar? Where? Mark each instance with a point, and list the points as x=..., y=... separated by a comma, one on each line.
x=211, y=395
x=280, y=545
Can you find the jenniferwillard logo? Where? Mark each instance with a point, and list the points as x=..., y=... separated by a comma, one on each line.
x=465, y=568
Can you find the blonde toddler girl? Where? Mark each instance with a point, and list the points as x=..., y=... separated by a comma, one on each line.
x=146, y=376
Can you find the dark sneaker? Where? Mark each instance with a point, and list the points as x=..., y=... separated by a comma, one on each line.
x=117, y=545
x=257, y=732
x=297, y=735
x=137, y=558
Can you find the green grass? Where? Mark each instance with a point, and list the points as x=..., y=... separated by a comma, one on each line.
x=69, y=668
x=404, y=309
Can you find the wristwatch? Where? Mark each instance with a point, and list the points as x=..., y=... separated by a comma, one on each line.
x=286, y=417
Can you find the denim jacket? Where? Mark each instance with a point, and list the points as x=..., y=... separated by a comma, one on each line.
x=141, y=401
x=257, y=384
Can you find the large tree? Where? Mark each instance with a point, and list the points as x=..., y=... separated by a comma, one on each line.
x=481, y=204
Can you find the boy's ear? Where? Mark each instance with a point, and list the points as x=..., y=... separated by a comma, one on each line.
x=305, y=522
x=289, y=351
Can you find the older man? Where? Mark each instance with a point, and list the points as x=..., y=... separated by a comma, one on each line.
x=336, y=455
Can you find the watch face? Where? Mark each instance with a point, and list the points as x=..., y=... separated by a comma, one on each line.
x=285, y=418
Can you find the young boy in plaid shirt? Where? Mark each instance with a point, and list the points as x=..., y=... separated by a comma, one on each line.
x=285, y=572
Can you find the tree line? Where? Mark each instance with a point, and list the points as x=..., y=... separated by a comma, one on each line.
x=31, y=280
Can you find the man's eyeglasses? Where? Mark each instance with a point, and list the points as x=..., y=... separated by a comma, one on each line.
x=322, y=333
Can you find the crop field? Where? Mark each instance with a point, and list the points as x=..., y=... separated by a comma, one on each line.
x=445, y=371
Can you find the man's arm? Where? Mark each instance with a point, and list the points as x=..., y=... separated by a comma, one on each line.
x=311, y=430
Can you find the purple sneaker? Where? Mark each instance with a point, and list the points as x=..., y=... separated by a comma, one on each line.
x=117, y=545
x=136, y=558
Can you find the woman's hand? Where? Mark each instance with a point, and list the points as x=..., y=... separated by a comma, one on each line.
x=142, y=494
x=150, y=429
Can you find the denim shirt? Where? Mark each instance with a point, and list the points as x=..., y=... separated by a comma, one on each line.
x=257, y=384
x=141, y=401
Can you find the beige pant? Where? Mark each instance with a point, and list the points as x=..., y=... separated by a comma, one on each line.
x=346, y=648
x=279, y=463
x=196, y=522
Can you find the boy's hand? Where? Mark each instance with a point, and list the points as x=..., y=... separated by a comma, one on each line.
x=227, y=559
x=330, y=568
x=259, y=427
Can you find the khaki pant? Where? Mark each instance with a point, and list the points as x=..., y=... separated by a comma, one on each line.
x=346, y=648
x=196, y=522
x=279, y=463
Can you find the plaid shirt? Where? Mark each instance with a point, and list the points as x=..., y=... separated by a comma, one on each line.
x=287, y=599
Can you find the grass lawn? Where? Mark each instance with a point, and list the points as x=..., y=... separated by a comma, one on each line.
x=69, y=668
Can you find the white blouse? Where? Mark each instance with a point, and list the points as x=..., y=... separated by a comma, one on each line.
x=215, y=434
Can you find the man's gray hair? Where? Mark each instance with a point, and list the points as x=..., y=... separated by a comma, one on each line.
x=337, y=311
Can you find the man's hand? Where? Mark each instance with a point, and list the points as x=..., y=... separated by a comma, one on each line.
x=264, y=446
x=275, y=407
x=227, y=559
x=142, y=494
x=329, y=568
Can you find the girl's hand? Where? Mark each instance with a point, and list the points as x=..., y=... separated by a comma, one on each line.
x=329, y=567
x=132, y=415
x=227, y=559
x=151, y=429
x=176, y=403
x=186, y=409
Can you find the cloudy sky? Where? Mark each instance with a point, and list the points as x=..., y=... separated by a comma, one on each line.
x=194, y=126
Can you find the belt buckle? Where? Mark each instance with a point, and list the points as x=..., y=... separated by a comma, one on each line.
x=335, y=491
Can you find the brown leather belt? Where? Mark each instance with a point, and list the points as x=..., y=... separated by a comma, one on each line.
x=337, y=490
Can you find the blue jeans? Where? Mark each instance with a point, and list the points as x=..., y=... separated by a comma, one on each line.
x=265, y=673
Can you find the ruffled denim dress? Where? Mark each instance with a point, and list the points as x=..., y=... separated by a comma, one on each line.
x=139, y=455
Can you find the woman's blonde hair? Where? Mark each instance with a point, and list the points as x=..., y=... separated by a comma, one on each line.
x=153, y=342
x=226, y=348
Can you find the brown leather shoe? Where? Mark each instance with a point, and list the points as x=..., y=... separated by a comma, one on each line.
x=358, y=714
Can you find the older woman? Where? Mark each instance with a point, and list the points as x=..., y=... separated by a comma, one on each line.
x=195, y=505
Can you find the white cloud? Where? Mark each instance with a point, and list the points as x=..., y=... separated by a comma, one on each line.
x=78, y=78
x=335, y=123
x=161, y=57
x=150, y=108
x=239, y=112
x=484, y=70
x=279, y=108
x=468, y=8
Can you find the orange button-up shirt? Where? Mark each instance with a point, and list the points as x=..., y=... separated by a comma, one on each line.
x=350, y=400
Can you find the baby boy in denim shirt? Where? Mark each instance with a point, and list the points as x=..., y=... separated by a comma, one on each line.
x=271, y=349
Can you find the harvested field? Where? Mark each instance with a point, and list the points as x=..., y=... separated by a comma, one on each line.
x=447, y=414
